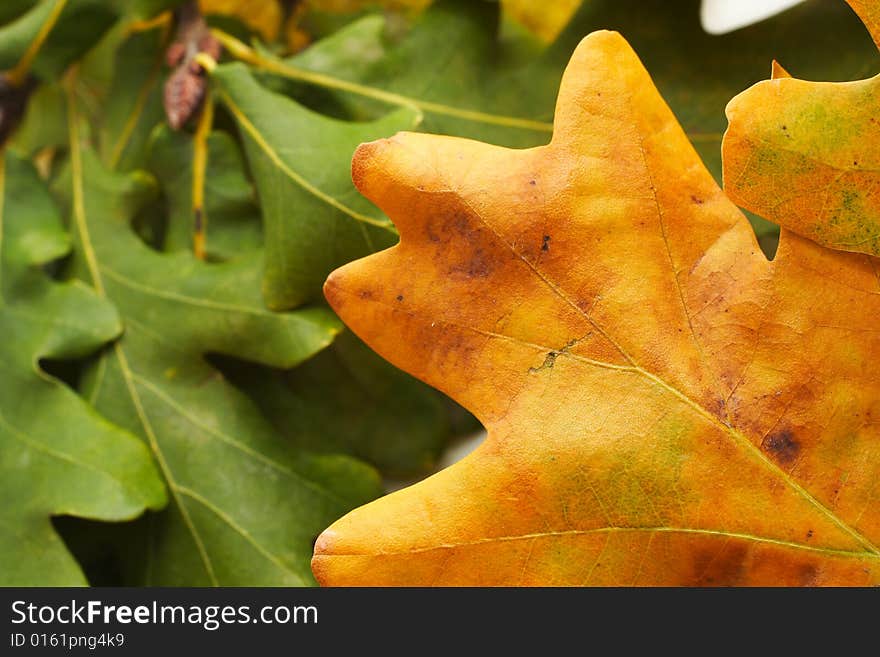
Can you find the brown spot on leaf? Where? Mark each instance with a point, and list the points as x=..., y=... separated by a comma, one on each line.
x=461, y=246
x=717, y=406
x=726, y=567
x=477, y=266
x=545, y=246
x=808, y=575
x=782, y=446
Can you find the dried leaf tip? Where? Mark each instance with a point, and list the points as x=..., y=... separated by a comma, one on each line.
x=777, y=71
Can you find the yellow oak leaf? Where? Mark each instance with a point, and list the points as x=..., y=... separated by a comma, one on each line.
x=545, y=20
x=806, y=155
x=664, y=405
x=264, y=17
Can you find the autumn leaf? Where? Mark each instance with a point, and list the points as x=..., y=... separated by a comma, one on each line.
x=804, y=154
x=698, y=73
x=546, y=20
x=664, y=405
x=262, y=16
x=59, y=457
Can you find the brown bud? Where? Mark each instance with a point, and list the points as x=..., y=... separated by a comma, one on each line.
x=186, y=86
x=175, y=54
x=184, y=92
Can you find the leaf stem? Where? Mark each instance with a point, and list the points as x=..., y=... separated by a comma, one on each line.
x=2, y=208
x=241, y=51
x=18, y=73
x=200, y=163
x=79, y=216
x=145, y=25
x=78, y=205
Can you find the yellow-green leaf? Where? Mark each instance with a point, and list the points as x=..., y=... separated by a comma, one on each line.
x=806, y=155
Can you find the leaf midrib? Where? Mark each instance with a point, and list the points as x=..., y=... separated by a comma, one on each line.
x=615, y=529
x=95, y=273
x=229, y=440
x=182, y=298
x=297, y=178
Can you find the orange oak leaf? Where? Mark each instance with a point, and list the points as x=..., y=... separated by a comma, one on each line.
x=664, y=405
x=806, y=155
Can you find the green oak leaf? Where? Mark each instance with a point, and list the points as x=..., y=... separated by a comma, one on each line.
x=391, y=420
x=57, y=456
x=232, y=215
x=451, y=64
x=245, y=506
x=44, y=122
x=79, y=25
x=12, y=9
x=453, y=56
x=132, y=105
x=314, y=219
x=148, y=8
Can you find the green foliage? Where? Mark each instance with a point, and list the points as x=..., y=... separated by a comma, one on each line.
x=314, y=218
x=80, y=24
x=388, y=420
x=230, y=201
x=57, y=455
x=245, y=506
